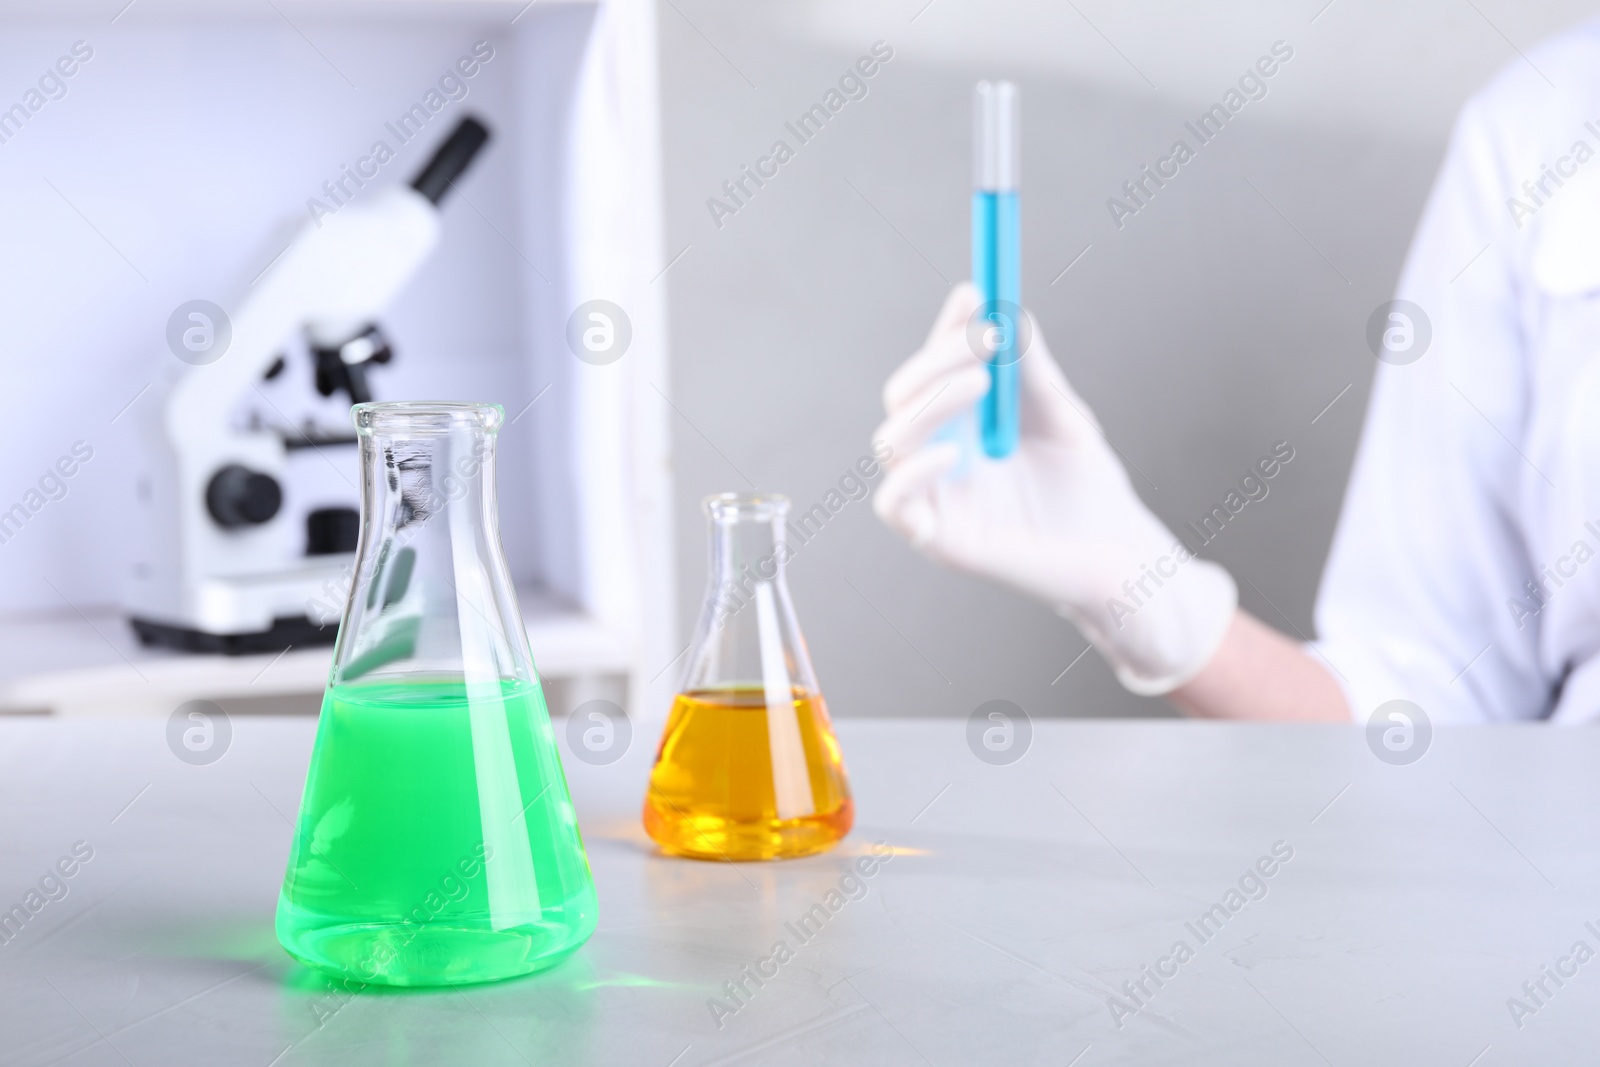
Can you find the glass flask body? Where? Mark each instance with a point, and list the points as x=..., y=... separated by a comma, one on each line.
x=437, y=842
x=748, y=767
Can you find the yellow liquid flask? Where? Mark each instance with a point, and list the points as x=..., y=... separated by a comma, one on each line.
x=748, y=768
x=436, y=843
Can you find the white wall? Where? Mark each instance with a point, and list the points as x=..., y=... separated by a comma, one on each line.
x=1213, y=324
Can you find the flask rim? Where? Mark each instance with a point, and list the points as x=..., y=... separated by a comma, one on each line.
x=413, y=417
x=745, y=507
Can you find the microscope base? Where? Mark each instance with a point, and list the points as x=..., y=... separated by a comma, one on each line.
x=286, y=632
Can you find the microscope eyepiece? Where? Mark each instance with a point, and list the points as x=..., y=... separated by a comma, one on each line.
x=451, y=159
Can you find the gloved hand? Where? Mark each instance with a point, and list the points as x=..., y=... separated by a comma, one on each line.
x=1056, y=520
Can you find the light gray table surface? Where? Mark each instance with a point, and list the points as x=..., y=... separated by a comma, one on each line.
x=1418, y=901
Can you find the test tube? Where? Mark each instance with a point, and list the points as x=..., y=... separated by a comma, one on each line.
x=996, y=255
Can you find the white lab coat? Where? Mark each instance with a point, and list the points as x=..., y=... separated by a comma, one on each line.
x=1479, y=467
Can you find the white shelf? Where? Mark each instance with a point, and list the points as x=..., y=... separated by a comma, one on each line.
x=570, y=190
x=75, y=664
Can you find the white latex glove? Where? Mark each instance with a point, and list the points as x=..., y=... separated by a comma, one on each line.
x=1056, y=520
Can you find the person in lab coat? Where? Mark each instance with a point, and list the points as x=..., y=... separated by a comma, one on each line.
x=1465, y=571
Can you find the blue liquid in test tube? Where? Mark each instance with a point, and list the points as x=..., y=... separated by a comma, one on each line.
x=997, y=256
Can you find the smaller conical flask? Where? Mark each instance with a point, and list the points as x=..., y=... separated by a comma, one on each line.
x=437, y=843
x=748, y=768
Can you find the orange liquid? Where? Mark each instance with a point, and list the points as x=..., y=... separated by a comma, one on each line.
x=737, y=780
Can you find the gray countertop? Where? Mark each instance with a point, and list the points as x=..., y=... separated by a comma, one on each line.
x=1416, y=903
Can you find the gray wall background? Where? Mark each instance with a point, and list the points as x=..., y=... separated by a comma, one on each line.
x=1223, y=317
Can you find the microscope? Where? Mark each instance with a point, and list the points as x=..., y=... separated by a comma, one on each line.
x=222, y=566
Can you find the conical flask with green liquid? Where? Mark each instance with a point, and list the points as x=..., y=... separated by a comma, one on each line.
x=437, y=843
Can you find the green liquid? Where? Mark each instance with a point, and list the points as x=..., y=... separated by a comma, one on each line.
x=437, y=843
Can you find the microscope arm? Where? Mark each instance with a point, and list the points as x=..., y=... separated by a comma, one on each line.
x=335, y=277
x=344, y=271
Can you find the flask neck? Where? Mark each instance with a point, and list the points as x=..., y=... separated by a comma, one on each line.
x=431, y=591
x=441, y=485
x=748, y=637
x=746, y=552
